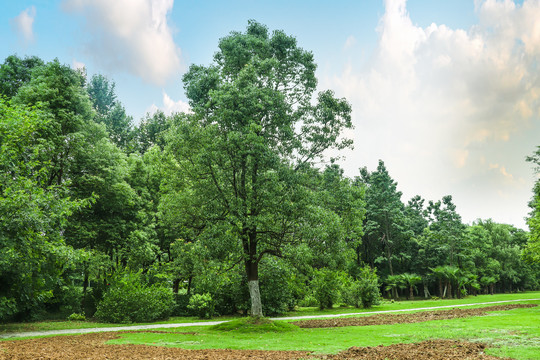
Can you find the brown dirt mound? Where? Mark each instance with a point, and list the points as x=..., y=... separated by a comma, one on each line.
x=385, y=319
x=430, y=349
x=92, y=346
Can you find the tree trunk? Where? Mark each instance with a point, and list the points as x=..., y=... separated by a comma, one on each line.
x=411, y=296
x=255, y=295
x=252, y=272
x=176, y=285
x=426, y=291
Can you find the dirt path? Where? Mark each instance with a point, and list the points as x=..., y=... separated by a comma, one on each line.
x=209, y=323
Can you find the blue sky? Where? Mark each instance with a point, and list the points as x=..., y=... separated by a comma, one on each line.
x=447, y=93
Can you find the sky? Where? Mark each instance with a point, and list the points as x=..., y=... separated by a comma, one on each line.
x=446, y=93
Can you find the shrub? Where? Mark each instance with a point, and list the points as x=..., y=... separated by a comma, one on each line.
x=326, y=286
x=308, y=301
x=129, y=299
x=67, y=299
x=202, y=305
x=276, y=292
x=76, y=317
x=228, y=290
x=365, y=289
x=181, y=301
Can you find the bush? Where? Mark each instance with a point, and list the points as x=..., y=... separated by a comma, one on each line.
x=181, y=301
x=129, y=299
x=228, y=290
x=76, y=317
x=326, y=286
x=308, y=301
x=365, y=289
x=202, y=305
x=276, y=293
x=67, y=299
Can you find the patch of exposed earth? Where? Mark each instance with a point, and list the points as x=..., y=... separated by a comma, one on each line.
x=93, y=347
x=387, y=319
x=430, y=349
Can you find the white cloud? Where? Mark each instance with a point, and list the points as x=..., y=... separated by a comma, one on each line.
x=77, y=65
x=131, y=35
x=438, y=104
x=350, y=42
x=170, y=106
x=23, y=24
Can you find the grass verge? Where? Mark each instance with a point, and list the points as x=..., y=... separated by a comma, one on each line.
x=514, y=333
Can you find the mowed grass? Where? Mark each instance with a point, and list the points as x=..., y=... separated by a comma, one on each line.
x=513, y=333
x=309, y=311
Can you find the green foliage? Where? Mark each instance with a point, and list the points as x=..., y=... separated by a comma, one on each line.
x=110, y=111
x=326, y=285
x=202, y=305
x=33, y=255
x=129, y=299
x=532, y=252
x=256, y=128
x=276, y=290
x=385, y=224
x=228, y=290
x=409, y=281
x=76, y=317
x=181, y=304
x=364, y=290
x=15, y=72
x=308, y=301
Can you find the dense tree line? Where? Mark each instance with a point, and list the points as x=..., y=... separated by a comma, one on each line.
x=229, y=208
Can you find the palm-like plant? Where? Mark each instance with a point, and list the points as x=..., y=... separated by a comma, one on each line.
x=448, y=274
x=392, y=283
x=409, y=281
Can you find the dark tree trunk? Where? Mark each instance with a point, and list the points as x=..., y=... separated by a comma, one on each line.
x=176, y=285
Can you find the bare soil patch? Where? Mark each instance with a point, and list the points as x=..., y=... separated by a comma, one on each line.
x=430, y=349
x=93, y=347
x=387, y=319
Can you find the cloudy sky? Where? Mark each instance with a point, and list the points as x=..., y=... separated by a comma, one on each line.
x=445, y=92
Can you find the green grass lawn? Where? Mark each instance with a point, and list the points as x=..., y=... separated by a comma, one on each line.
x=386, y=305
x=514, y=333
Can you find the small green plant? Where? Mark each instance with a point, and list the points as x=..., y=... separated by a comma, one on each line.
x=76, y=317
x=308, y=301
x=202, y=305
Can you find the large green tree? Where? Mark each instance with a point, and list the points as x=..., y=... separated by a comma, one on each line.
x=109, y=111
x=256, y=126
x=15, y=72
x=33, y=215
x=533, y=247
x=385, y=219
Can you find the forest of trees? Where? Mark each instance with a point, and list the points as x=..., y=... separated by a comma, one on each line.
x=229, y=208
